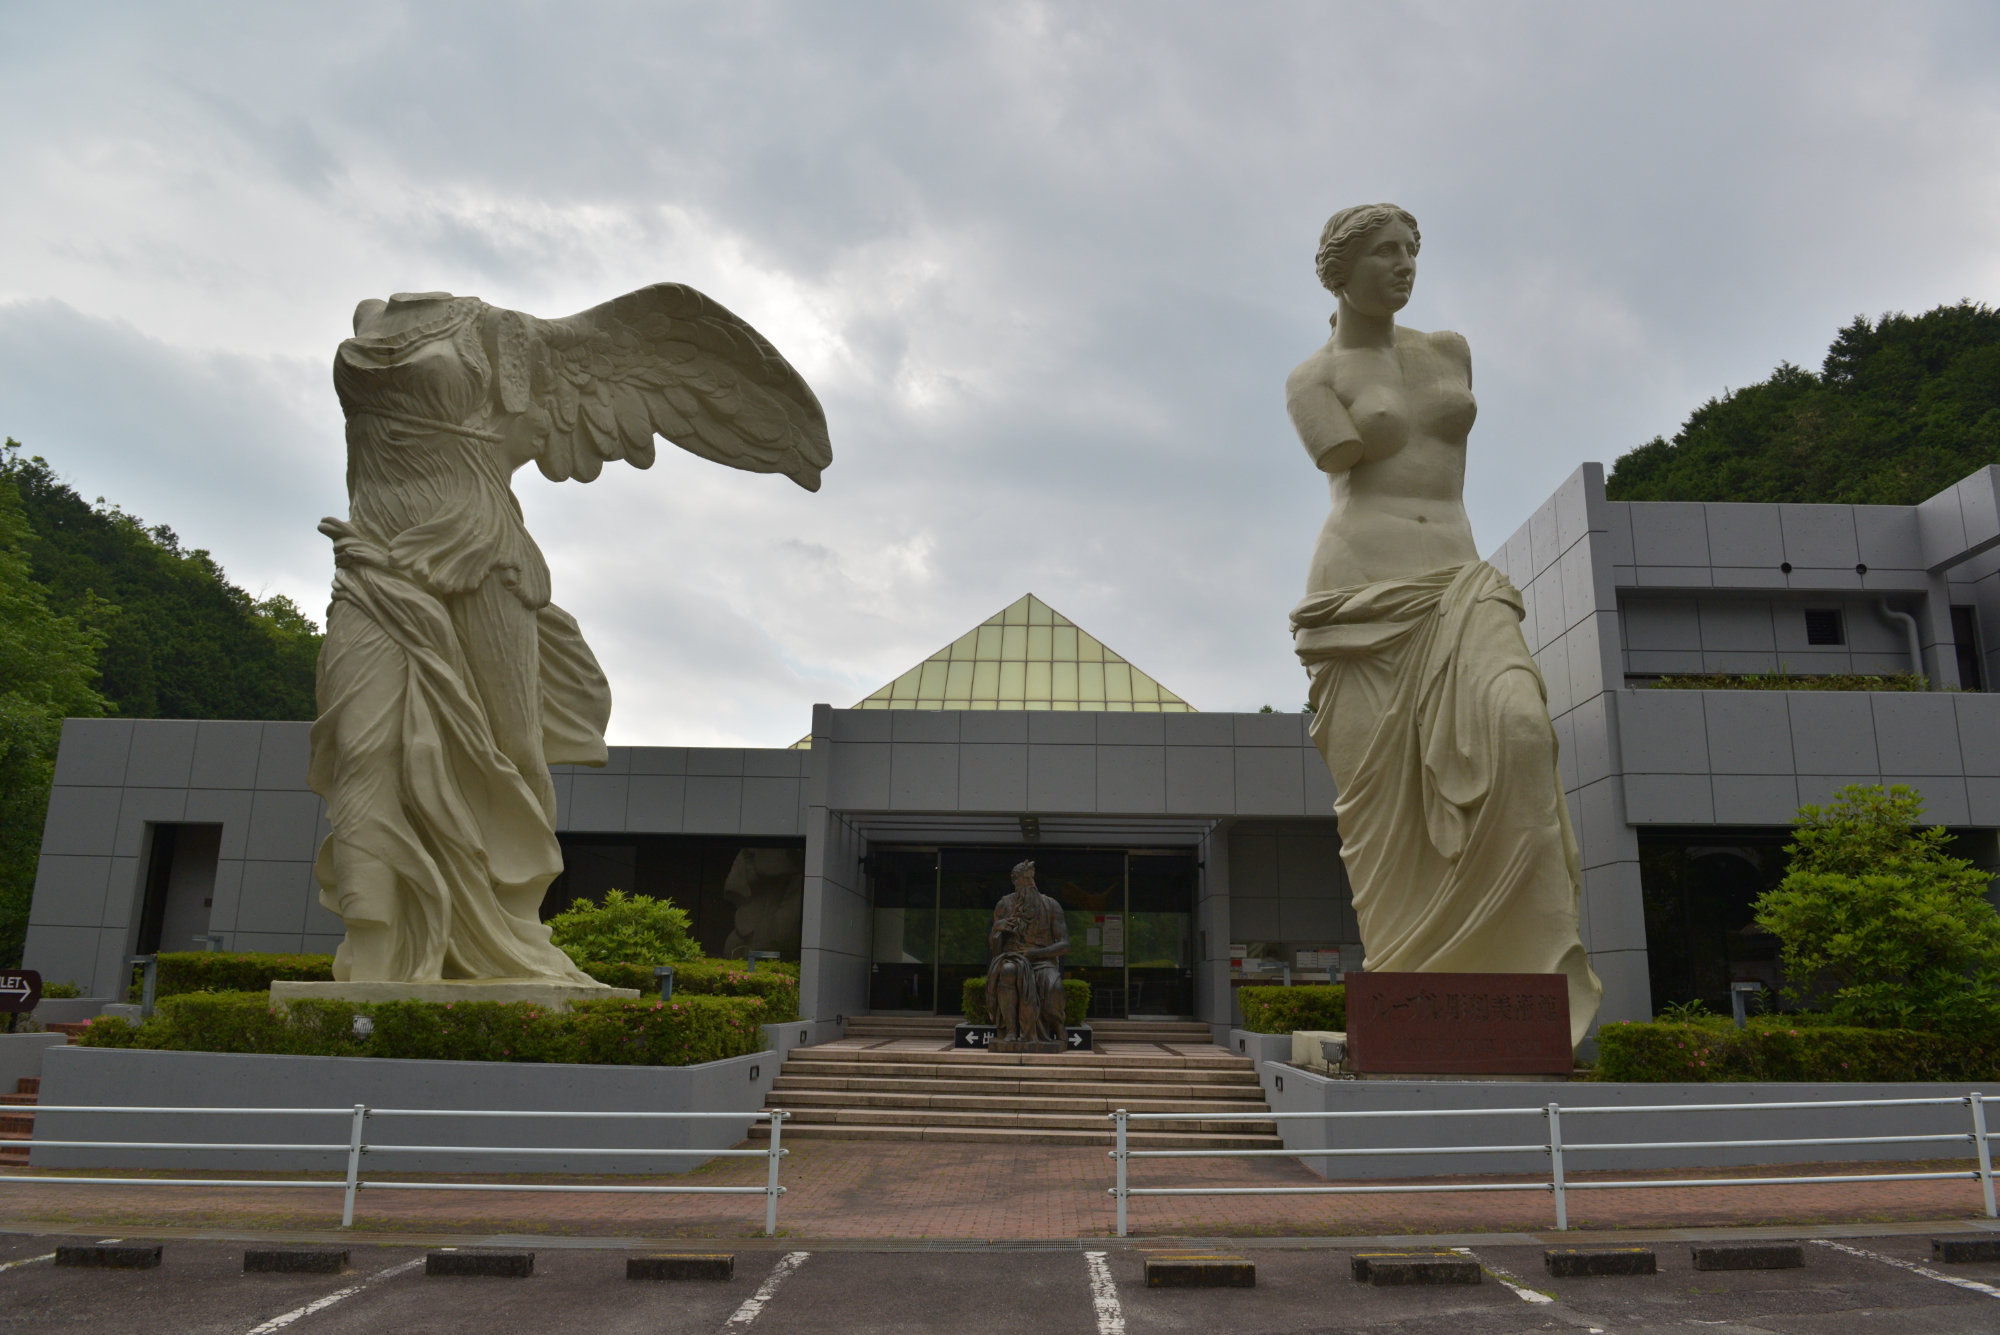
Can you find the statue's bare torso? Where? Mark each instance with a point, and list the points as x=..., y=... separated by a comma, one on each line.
x=1398, y=509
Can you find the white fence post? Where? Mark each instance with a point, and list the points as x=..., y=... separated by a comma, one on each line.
x=1119, y=1155
x=1556, y=1165
x=1978, y=1102
x=353, y=1164
x=771, y=1187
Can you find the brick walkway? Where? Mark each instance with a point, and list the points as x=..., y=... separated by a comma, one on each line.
x=849, y=1189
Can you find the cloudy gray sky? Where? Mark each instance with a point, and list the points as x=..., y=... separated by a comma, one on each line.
x=1046, y=265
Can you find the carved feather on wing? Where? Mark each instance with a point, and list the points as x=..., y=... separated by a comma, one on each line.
x=666, y=359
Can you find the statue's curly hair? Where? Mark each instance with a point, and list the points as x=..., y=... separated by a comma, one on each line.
x=1026, y=868
x=1346, y=230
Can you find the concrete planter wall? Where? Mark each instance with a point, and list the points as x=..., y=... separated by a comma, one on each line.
x=68, y=1010
x=21, y=1056
x=109, y=1077
x=1263, y=1049
x=1291, y=1089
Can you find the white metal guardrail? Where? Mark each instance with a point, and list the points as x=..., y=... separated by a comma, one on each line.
x=1557, y=1149
x=357, y=1144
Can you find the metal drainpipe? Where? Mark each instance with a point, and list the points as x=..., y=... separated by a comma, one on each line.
x=1909, y=632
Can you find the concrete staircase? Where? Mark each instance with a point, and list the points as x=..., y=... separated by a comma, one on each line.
x=17, y=1126
x=899, y=1086
x=1105, y=1031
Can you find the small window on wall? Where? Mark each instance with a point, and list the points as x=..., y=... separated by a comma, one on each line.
x=1823, y=626
x=1965, y=638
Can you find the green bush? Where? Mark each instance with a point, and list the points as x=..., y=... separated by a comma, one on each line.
x=1777, y=1048
x=617, y=1033
x=235, y=1022
x=1076, y=1000
x=778, y=987
x=184, y=971
x=638, y=929
x=1786, y=681
x=1879, y=925
x=1281, y=1010
x=60, y=991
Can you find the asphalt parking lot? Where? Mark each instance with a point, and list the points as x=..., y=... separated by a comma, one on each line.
x=1852, y=1285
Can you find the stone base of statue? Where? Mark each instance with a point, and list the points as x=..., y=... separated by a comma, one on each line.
x=554, y=994
x=1029, y=1045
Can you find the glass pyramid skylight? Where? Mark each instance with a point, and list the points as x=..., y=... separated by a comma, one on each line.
x=1028, y=656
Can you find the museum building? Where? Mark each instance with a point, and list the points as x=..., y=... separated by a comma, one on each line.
x=1194, y=852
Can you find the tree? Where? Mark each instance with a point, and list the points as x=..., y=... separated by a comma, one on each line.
x=1876, y=919
x=48, y=664
x=634, y=929
x=1900, y=409
x=180, y=641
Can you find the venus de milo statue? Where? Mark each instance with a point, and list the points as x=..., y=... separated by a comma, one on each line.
x=1427, y=706
x=449, y=682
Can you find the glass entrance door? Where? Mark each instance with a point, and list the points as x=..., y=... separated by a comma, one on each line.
x=1130, y=914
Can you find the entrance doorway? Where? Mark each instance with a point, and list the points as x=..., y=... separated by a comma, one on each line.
x=1130, y=913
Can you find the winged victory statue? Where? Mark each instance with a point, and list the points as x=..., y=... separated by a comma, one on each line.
x=449, y=682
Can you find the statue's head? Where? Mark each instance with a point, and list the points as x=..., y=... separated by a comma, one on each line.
x=1023, y=874
x=1368, y=254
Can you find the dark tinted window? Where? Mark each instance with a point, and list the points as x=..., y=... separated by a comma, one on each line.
x=1823, y=626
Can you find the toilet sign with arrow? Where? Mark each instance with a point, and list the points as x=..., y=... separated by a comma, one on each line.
x=20, y=990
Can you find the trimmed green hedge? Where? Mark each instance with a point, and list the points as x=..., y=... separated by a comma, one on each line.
x=186, y=972
x=1786, y=681
x=183, y=971
x=1076, y=1000
x=683, y=1032
x=1777, y=1048
x=1282, y=1010
x=778, y=987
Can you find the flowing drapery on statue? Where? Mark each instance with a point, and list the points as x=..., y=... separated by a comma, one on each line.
x=1426, y=704
x=1434, y=720
x=449, y=682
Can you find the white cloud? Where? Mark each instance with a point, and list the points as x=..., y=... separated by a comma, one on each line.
x=1045, y=265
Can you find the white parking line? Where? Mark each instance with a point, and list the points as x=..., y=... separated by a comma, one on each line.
x=1104, y=1296
x=754, y=1304
x=28, y=1260
x=320, y=1304
x=1913, y=1268
x=1506, y=1278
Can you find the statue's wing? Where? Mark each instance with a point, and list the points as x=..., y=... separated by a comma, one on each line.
x=596, y=386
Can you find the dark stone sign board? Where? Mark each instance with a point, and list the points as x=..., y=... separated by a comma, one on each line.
x=980, y=1036
x=20, y=990
x=1458, y=1024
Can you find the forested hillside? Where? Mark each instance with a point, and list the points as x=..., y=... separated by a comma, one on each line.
x=1901, y=409
x=100, y=614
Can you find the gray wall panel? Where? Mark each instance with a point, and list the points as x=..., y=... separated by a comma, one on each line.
x=162, y=754
x=714, y=805
x=654, y=803
x=141, y=809
x=993, y=777
x=923, y=775
x=1061, y=778
x=93, y=752
x=81, y=821
x=598, y=801
x=284, y=750
x=283, y=826
x=1132, y=779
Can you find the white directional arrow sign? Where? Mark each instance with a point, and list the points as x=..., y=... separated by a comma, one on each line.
x=20, y=989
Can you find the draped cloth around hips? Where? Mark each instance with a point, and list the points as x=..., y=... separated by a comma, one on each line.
x=405, y=754
x=1434, y=721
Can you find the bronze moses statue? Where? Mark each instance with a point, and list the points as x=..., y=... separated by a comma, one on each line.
x=1024, y=991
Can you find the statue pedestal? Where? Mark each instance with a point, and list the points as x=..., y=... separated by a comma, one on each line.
x=552, y=993
x=1029, y=1045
